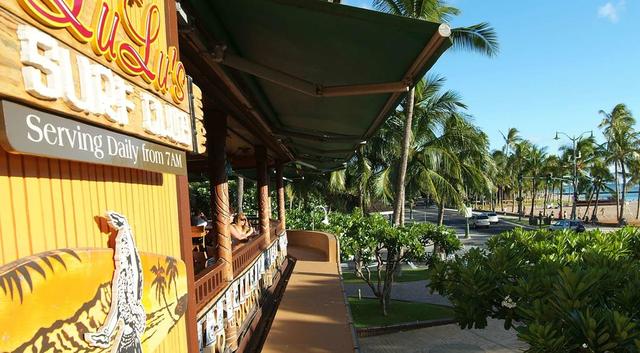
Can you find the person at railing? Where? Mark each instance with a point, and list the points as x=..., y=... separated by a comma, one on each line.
x=240, y=229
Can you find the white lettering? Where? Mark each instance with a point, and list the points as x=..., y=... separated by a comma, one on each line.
x=41, y=74
x=48, y=74
x=33, y=127
x=48, y=131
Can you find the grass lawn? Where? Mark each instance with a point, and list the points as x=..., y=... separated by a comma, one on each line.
x=368, y=312
x=407, y=276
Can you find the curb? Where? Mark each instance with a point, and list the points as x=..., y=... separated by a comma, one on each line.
x=382, y=330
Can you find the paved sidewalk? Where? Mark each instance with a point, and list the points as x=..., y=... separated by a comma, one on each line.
x=446, y=339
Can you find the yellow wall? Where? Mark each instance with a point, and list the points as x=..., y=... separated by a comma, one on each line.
x=48, y=204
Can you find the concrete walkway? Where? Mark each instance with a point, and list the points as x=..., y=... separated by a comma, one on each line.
x=312, y=316
x=446, y=339
x=440, y=339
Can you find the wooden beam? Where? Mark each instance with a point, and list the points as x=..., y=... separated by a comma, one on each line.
x=264, y=207
x=186, y=249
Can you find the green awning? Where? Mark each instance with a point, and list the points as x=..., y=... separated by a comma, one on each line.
x=324, y=75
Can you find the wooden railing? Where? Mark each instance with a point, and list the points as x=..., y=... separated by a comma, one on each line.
x=245, y=254
x=209, y=283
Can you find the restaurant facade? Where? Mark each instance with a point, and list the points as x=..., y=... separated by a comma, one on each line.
x=109, y=107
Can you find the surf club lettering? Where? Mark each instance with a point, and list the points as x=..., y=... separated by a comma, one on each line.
x=138, y=52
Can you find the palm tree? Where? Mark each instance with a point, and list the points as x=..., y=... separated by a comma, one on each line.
x=510, y=139
x=622, y=146
x=550, y=169
x=600, y=177
x=503, y=176
x=634, y=172
x=172, y=273
x=160, y=283
x=535, y=167
x=14, y=275
x=519, y=162
x=481, y=38
x=586, y=153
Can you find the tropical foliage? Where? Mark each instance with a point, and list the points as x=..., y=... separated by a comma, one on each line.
x=371, y=239
x=562, y=291
x=480, y=38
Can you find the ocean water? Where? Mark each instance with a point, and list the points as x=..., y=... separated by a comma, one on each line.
x=631, y=195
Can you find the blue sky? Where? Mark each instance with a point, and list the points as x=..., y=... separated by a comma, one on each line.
x=560, y=62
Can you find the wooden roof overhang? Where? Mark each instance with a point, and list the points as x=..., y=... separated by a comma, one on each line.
x=308, y=79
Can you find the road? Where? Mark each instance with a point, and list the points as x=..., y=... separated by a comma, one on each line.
x=454, y=220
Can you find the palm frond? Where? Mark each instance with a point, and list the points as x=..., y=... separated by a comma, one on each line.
x=481, y=38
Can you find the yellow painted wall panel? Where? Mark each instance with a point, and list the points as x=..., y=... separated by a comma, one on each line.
x=49, y=204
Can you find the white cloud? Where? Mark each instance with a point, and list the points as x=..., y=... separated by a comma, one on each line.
x=611, y=11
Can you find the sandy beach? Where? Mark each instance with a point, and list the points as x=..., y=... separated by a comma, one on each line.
x=605, y=213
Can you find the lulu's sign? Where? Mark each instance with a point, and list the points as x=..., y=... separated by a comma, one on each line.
x=29, y=131
x=105, y=61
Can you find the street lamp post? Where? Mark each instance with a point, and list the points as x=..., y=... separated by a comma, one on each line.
x=574, y=139
x=324, y=221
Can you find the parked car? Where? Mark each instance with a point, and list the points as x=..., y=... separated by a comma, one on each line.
x=575, y=225
x=493, y=217
x=481, y=220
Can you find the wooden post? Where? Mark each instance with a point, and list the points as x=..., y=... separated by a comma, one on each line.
x=217, y=128
x=281, y=202
x=184, y=213
x=184, y=222
x=264, y=212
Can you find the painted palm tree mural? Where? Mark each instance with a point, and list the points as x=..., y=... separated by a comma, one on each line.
x=30, y=285
x=164, y=279
x=14, y=275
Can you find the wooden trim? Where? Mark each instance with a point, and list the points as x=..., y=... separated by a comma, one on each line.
x=184, y=221
x=171, y=21
x=243, y=256
x=208, y=285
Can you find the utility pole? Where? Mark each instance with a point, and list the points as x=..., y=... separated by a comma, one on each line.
x=574, y=139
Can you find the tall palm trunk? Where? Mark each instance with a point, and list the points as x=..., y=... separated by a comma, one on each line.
x=398, y=216
x=624, y=188
x=595, y=206
x=588, y=203
x=638, y=204
x=240, y=193
x=502, y=198
x=615, y=178
x=441, y=214
x=513, y=201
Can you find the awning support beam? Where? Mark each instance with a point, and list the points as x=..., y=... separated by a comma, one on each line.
x=221, y=55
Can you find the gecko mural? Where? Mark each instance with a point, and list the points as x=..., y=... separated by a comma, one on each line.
x=91, y=300
x=126, y=299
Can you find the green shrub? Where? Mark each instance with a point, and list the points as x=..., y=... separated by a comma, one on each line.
x=562, y=291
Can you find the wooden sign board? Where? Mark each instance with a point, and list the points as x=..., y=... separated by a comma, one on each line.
x=104, y=61
x=28, y=131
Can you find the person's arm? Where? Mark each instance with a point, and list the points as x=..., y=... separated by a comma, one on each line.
x=236, y=233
